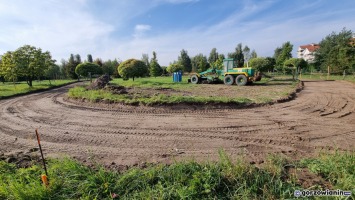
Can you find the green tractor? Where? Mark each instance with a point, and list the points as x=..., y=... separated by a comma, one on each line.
x=229, y=75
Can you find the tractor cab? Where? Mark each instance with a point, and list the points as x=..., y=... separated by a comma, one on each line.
x=228, y=64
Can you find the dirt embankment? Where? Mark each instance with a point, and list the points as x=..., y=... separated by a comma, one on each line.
x=321, y=117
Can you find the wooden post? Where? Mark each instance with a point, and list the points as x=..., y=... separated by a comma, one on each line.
x=328, y=72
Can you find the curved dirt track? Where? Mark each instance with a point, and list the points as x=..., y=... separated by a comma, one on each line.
x=321, y=117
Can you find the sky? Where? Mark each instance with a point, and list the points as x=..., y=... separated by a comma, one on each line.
x=125, y=29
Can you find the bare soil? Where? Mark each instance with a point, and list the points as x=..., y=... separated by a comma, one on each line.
x=321, y=117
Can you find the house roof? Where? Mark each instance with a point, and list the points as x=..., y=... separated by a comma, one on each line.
x=310, y=47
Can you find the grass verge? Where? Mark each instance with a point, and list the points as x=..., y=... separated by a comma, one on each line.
x=182, y=180
x=9, y=89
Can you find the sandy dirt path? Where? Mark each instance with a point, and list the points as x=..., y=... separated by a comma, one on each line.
x=321, y=117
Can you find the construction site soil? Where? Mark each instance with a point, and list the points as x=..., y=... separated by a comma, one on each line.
x=320, y=117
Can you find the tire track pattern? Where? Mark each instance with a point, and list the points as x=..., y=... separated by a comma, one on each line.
x=321, y=117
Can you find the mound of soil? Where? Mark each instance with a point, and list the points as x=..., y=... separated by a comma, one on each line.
x=22, y=159
x=99, y=83
x=114, y=89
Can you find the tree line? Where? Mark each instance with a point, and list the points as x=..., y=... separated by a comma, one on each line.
x=336, y=52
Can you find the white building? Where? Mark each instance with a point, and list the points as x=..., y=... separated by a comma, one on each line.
x=307, y=52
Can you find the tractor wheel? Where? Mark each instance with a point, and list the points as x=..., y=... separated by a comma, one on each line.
x=229, y=80
x=241, y=80
x=195, y=79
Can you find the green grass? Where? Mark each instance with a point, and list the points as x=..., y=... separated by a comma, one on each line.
x=10, y=89
x=350, y=78
x=337, y=168
x=96, y=95
x=162, y=82
x=181, y=180
x=186, y=92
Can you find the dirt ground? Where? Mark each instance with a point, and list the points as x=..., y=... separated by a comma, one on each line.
x=321, y=117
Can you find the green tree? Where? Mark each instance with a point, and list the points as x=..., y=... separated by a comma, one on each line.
x=219, y=62
x=77, y=59
x=246, y=53
x=70, y=67
x=27, y=61
x=154, y=67
x=145, y=59
x=238, y=55
x=99, y=62
x=132, y=68
x=277, y=52
x=336, y=52
x=175, y=67
x=90, y=60
x=185, y=61
x=200, y=63
x=284, y=54
x=253, y=54
x=83, y=69
x=8, y=68
x=2, y=78
x=213, y=56
x=260, y=64
x=295, y=65
x=272, y=62
x=53, y=72
x=109, y=67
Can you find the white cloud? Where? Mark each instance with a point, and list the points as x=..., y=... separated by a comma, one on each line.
x=40, y=24
x=140, y=29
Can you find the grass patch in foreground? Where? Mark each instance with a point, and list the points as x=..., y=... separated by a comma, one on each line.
x=182, y=180
x=9, y=89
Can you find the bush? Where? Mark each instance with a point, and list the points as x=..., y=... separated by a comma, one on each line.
x=175, y=67
x=83, y=69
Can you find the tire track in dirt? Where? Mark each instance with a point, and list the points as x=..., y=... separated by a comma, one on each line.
x=321, y=117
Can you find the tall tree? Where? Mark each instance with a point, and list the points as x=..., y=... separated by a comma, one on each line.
x=154, y=67
x=63, y=68
x=109, y=67
x=337, y=52
x=27, y=61
x=90, y=60
x=200, y=63
x=238, y=56
x=77, y=59
x=277, y=52
x=99, y=62
x=286, y=53
x=185, y=61
x=213, y=56
x=145, y=59
x=70, y=67
x=246, y=53
x=219, y=62
x=253, y=54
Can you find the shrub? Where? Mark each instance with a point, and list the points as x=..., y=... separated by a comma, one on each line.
x=83, y=69
x=132, y=68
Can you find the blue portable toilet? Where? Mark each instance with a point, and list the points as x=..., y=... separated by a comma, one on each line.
x=177, y=77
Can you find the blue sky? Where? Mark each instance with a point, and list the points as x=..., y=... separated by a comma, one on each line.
x=126, y=29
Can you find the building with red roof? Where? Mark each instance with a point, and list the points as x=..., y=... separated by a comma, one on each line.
x=307, y=52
